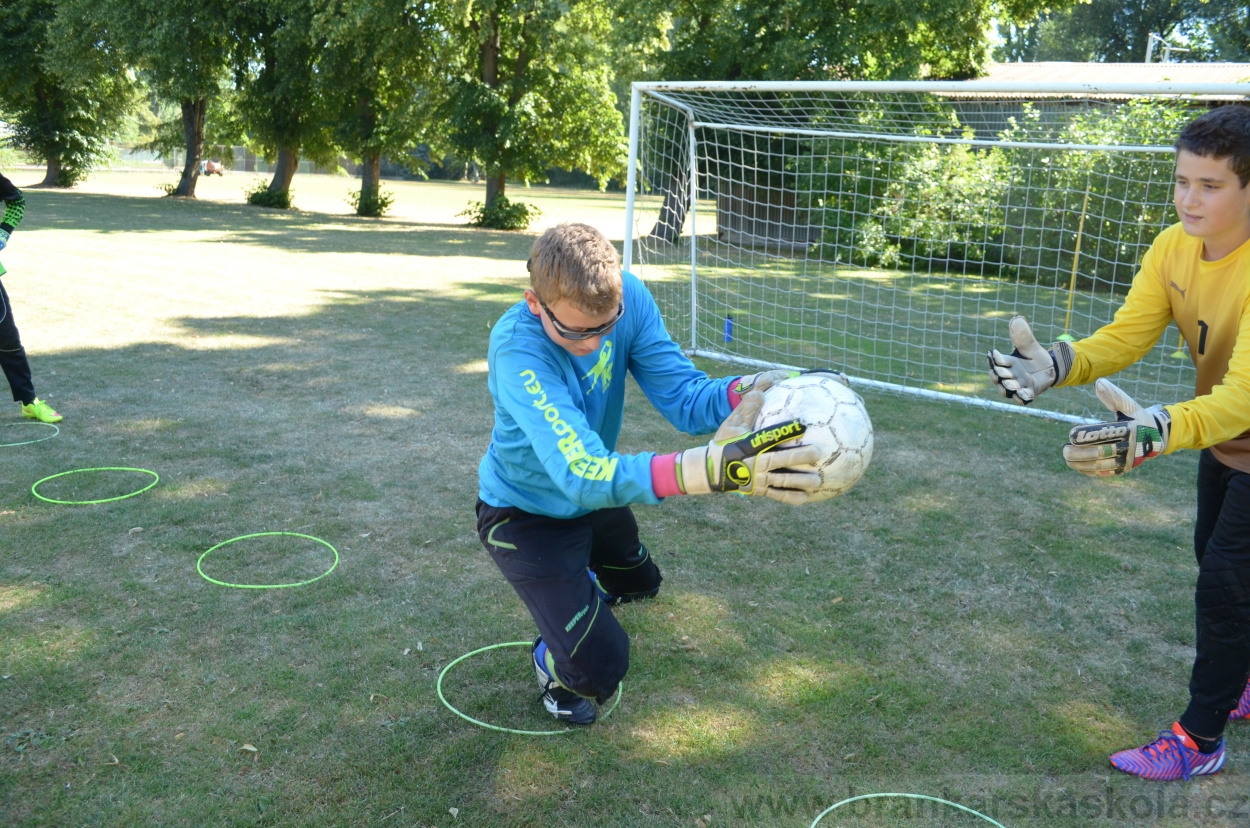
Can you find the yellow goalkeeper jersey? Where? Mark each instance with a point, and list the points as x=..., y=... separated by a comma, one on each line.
x=1210, y=302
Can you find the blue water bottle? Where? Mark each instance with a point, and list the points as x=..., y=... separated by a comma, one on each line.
x=729, y=327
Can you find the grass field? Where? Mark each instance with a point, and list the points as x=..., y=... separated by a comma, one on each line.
x=972, y=621
x=925, y=331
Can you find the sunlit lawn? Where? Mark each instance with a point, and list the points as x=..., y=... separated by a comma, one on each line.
x=427, y=202
x=925, y=331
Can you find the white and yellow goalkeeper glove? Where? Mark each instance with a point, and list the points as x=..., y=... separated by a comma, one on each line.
x=1107, y=449
x=762, y=381
x=1029, y=369
x=741, y=458
x=765, y=380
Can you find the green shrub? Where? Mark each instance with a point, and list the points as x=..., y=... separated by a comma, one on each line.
x=261, y=196
x=945, y=205
x=68, y=176
x=502, y=215
x=1022, y=211
x=1113, y=202
x=374, y=206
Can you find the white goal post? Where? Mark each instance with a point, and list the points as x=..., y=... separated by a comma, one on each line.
x=890, y=229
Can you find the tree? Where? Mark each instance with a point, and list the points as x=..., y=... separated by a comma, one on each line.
x=1018, y=43
x=375, y=74
x=183, y=48
x=280, y=105
x=1226, y=27
x=1105, y=31
x=63, y=92
x=534, y=91
x=802, y=40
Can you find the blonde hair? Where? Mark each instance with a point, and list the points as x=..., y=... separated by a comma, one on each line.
x=576, y=262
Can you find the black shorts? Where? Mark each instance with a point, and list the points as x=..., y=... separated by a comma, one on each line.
x=1222, y=596
x=12, y=355
x=546, y=560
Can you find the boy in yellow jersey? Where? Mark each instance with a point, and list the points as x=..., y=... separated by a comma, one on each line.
x=1197, y=273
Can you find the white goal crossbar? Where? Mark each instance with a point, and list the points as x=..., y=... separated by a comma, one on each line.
x=890, y=229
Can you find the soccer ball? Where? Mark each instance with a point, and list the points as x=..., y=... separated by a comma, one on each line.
x=837, y=423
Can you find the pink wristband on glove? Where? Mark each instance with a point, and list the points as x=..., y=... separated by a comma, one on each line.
x=664, y=475
x=734, y=396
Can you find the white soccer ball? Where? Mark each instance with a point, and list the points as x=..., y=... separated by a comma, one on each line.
x=837, y=423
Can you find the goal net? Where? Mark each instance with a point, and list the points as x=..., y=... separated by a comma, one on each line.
x=892, y=229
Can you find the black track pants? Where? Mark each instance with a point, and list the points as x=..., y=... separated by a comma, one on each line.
x=546, y=560
x=12, y=355
x=1222, y=598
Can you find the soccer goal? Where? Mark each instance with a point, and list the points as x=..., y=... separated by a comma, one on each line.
x=891, y=229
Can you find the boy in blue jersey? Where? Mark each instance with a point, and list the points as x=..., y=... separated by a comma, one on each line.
x=554, y=495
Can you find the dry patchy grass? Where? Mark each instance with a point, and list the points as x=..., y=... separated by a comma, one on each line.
x=971, y=619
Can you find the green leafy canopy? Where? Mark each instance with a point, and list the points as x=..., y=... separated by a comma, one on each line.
x=534, y=90
x=62, y=92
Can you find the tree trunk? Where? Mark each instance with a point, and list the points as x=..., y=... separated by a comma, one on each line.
x=676, y=186
x=496, y=179
x=490, y=53
x=370, y=181
x=495, y=184
x=284, y=171
x=53, y=175
x=193, y=111
x=673, y=212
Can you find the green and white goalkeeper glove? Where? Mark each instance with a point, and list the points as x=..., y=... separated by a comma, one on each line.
x=838, y=375
x=762, y=381
x=743, y=459
x=767, y=379
x=1029, y=369
x=1107, y=449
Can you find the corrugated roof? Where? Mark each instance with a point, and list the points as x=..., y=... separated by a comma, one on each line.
x=1067, y=72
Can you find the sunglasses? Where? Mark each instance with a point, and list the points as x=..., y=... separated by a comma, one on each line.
x=582, y=333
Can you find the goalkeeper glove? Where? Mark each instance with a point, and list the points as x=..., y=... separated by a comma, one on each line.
x=741, y=458
x=1029, y=369
x=761, y=381
x=767, y=379
x=1106, y=449
x=838, y=375
x=4, y=238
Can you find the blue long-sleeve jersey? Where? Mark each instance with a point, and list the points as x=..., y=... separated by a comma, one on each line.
x=557, y=416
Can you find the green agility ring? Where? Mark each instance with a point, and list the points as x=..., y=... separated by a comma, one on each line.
x=55, y=431
x=904, y=796
x=488, y=726
x=199, y=563
x=156, y=478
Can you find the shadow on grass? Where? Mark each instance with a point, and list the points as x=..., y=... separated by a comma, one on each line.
x=294, y=230
x=361, y=423
x=373, y=397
